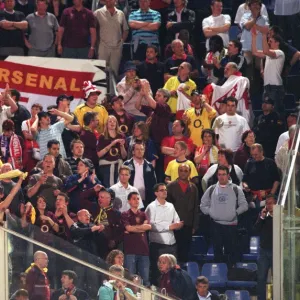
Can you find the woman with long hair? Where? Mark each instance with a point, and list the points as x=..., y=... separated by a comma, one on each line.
x=111, y=152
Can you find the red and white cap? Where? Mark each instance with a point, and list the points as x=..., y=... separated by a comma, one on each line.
x=88, y=88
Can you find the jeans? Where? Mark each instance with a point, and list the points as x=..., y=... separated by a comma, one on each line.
x=138, y=264
x=81, y=53
x=276, y=93
x=265, y=261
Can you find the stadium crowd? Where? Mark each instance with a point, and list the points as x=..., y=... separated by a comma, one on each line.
x=126, y=183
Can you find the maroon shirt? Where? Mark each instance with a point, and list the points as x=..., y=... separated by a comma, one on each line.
x=77, y=26
x=89, y=140
x=134, y=242
x=125, y=121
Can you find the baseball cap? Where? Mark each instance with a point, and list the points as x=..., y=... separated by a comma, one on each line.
x=116, y=98
x=62, y=97
x=268, y=100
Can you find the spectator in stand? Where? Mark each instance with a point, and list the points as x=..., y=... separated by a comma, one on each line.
x=125, y=120
x=198, y=117
x=111, y=152
x=13, y=25
x=291, y=120
x=207, y=153
x=264, y=227
x=11, y=145
x=77, y=149
x=62, y=168
x=69, y=288
x=56, y=7
x=202, y=285
x=224, y=221
x=168, y=143
x=144, y=24
x=77, y=32
x=20, y=294
x=230, y=126
x=7, y=104
x=29, y=158
x=268, y=127
x=164, y=221
x=183, y=194
x=122, y=189
x=89, y=136
x=21, y=114
x=214, y=56
x=174, y=280
x=140, y=135
x=113, y=32
x=136, y=248
x=43, y=27
x=250, y=19
x=173, y=83
x=243, y=153
x=142, y=175
x=180, y=158
x=180, y=18
x=44, y=131
x=216, y=24
x=80, y=182
x=24, y=6
x=273, y=85
x=130, y=90
x=233, y=55
x=173, y=63
x=152, y=69
x=244, y=8
x=45, y=183
x=91, y=94
x=225, y=158
x=37, y=282
x=261, y=176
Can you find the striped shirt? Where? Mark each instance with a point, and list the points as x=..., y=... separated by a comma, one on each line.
x=151, y=16
x=53, y=132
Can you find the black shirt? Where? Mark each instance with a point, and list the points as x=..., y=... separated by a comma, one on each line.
x=264, y=228
x=261, y=175
x=79, y=294
x=171, y=65
x=22, y=114
x=26, y=9
x=12, y=38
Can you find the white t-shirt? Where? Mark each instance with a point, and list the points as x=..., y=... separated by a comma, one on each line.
x=273, y=68
x=281, y=140
x=218, y=21
x=241, y=10
x=231, y=130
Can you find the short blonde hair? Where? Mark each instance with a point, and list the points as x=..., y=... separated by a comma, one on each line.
x=170, y=258
x=257, y=146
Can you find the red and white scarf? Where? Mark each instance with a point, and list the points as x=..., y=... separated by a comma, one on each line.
x=15, y=151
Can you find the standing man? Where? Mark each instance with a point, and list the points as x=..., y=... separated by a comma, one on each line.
x=144, y=23
x=37, y=282
x=91, y=95
x=264, y=227
x=164, y=220
x=77, y=32
x=113, y=32
x=183, y=194
x=224, y=202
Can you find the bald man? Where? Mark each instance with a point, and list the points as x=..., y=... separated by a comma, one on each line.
x=37, y=283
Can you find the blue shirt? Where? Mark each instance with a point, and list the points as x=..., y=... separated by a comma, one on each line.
x=151, y=16
x=246, y=38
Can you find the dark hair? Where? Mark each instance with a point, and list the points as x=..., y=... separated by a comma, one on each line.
x=209, y=131
x=132, y=194
x=228, y=155
x=237, y=44
x=223, y=168
x=76, y=141
x=272, y=196
x=8, y=125
x=231, y=99
x=46, y=1
x=245, y=135
x=137, y=143
x=52, y=142
x=277, y=30
x=67, y=199
x=201, y=279
x=110, y=258
x=216, y=43
x=293, y=115
x=89, y=117
x=37, y=105
x=152, y=47
x=214, y=1
x=157, y=185
x=15, y=93
x=254, y=1
x=144, y=129
x=182, y=124
x=277, y=38
x=71, y=274
x=21, y=292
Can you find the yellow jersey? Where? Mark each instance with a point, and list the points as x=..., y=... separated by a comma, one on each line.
x=172, y=169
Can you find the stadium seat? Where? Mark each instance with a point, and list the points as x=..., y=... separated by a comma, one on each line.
x=243, y=284
x=210, y=254
x=214, y=292
x=234, y=32
x=237, y=295
x=216, y=274
x=193, y=270
x=198, y=248
x=254, y=250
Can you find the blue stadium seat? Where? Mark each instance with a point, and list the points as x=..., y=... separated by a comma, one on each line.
x=193, y=270
x=243, y=284
x=237, y=295
x=214, y=292
x=198, y=248
x=210, y=254
x=234, y=32
x=216, y=274
x=254, y=249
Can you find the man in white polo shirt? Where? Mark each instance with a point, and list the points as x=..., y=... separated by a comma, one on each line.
x=217, y=23
x=230, y=126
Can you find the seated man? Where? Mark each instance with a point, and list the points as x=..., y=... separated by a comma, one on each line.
x=202, y=286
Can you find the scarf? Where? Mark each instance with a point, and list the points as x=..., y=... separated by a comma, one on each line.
x=205, y=163
x=44, y=270
x=95, y=132
x=71, y=290
x=102, y=216
x=183, y=57
x=12, y=151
